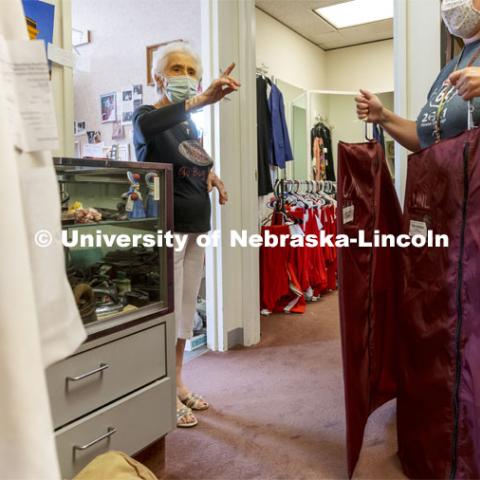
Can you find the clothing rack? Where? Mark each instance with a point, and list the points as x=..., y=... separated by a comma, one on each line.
x=284, y=186
x=293, y=275
x=324, y=120
x=313, y=186
x=262, y=71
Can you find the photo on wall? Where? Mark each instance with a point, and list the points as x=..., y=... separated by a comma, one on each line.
x=80, y=128
x=40, y=18
x=137, y=92
x=151, y=49
x=127, y=105
x=118, y=131
x=94, y=137
x=108, y=106
x=127, y=117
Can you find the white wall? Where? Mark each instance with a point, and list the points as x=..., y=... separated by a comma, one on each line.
x=121, y=31
x=62, y=78
x=417, y=63
x=288, y=55
x=297, y=61
x=367, y=66
x=229, y=36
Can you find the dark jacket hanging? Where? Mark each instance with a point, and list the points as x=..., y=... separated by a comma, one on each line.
x=264, y=139
x=369, y=284
x=439, y=384
x=282, y=150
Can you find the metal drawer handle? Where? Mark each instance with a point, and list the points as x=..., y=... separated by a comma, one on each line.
x=110, y=432
x=101, y=368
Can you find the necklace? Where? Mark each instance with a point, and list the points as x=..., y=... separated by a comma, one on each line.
x=446, y=93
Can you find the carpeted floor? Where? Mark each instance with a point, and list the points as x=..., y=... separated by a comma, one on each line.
x=277, y=409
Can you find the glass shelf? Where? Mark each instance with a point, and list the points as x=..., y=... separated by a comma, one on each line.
x=116, y=286
x=133, y=223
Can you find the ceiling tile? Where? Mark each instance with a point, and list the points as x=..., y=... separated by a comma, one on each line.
x=300, y=17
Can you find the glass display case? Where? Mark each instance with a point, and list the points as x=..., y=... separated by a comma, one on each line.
x=114, y=219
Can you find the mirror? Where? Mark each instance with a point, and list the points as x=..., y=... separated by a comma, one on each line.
x=336, y=110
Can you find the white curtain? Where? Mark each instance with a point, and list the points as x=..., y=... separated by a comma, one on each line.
x=39, y=322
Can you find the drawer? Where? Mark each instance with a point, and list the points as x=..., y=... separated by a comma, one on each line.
x=128, y=425
x=87, y=381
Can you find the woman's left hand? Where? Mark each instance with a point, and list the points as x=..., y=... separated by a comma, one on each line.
x=220, y=87
x=467, y=82
x=214, y=181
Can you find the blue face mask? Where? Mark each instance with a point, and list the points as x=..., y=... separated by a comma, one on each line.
x=181, y=88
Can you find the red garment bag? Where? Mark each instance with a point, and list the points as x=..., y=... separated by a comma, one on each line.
x=369, y=286
x=439, y=340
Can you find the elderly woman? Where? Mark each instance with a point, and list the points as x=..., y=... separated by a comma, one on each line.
x=164, y=132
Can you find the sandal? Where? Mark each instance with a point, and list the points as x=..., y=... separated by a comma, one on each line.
x=192, y=400
x=183, y=413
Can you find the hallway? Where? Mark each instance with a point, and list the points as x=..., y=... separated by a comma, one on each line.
x=277, y=409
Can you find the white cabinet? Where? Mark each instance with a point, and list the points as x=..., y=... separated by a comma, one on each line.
x=118, y=390
x=117, y=395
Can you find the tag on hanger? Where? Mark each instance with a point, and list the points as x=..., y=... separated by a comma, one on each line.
x=296, y=231
x=471, y=109
x=348, y=214
x=418, y=228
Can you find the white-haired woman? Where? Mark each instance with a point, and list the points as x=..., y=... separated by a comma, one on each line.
x=164, y=132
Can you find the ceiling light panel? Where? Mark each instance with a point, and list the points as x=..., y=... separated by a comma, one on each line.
x=356, y=12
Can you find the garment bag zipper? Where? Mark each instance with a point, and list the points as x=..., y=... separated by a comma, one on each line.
x=458, y=331
x=375, y=164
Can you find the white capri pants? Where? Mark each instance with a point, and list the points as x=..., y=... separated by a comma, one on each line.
x=188, y=270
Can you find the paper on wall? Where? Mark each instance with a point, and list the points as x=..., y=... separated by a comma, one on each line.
x=27, y=91
x=9, y=94
x=137, y=95
x=60, y=56
x=94, y=150
x=127, y=106
x=137, y=92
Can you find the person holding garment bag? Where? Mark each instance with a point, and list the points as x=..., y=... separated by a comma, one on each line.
x=438, y=394
x=446, y=112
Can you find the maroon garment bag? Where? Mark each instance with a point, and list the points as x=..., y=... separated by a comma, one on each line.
x=369, y=286
x=439, y=340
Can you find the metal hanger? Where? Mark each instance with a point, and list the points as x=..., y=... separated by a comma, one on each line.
x=366, y=133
